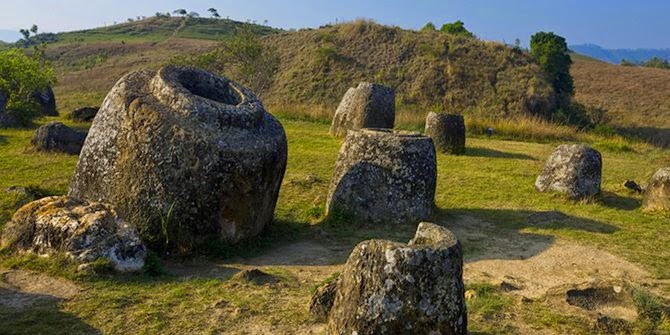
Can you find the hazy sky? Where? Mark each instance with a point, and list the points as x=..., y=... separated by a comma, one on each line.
x=612, y=23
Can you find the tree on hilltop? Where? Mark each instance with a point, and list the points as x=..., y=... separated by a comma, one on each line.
x=429, y=27
x=214, y=13
x=193, y=14
x=180, y=11
x=551, y=52
x=456, y=28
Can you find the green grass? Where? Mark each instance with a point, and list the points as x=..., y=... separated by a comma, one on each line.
x=493, y=181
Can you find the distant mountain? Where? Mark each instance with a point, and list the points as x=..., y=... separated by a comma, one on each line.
x=9, y=36
x=616, y=55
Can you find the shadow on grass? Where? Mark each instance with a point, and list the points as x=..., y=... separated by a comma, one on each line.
x=30, y=313
x=614, y=200
x=486, y=152
x=658, y=137
x=3, y=140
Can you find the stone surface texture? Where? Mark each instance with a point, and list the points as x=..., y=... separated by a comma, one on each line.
x=186, y=156
x=57, y=137
x=47, y=101
x=447, y=132
x=83, y=230
x=366, y=106
x=384, y=176
x=394, y=288
x=574, y=170
x=657, y=193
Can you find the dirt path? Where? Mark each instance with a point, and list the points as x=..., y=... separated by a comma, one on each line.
x=21, y=289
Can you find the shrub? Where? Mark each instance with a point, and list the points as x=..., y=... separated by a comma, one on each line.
x=20, y=77
x=456, y=28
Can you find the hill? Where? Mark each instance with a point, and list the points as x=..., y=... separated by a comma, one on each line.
x=429, y=70
x=637, y=99
x=615, y=56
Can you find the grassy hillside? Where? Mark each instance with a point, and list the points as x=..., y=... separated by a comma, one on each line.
x=429, y=70
x=637, y=99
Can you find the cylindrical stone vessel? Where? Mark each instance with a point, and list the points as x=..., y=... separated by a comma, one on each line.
x=395, y=288
x=366, y=106
x=447, y=132
x=384, y=176
x=186, y=156
x=657, y=193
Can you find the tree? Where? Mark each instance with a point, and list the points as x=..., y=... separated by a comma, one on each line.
x=33, y=29
x=20, y=77
x=193, y=14
x=244, y=57
x=214, y=13
x=550, y=51
x=180, y=11
x=429, y=27
x=657, y=62
x=456, y=28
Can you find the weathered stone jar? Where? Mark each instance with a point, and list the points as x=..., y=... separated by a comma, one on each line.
x=366, y=106
x=186, y=156
x=574, y=170
x=384, y=176
x=447, y=132
x=82, y=230
x=394, y=288
x=657, y=193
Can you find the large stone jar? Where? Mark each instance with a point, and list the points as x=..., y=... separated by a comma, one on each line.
x=186, y=156
x=384, y=176
x=447, y=132
x=366, y=106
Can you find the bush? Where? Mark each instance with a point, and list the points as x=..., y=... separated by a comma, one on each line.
x=456, y=28
x=20, y=77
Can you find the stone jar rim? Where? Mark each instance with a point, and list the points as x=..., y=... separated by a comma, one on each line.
x=388, y=132
x=191, y=91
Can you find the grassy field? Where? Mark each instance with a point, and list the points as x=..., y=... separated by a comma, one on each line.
x=493, y=182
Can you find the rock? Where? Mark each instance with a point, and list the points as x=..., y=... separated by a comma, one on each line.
x=84, y=114
x=47, y=101
x=384, y=176
x=366, y=106
x=55, y=136
x=394, y=288
x=633, y=186
x=657, y=193
x=185, y=150
x=85, y=231
x=256, y=277
x=447, y=132
x=322, y=301
x=573, y=169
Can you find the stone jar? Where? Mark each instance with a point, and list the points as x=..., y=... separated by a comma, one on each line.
x=657, y=193
x=574, y=170
x=366, y=106
x=384, y=176
x=85, y=231
x=395, y=288
x=57, y=137
x=186, y=156
x=447, y=132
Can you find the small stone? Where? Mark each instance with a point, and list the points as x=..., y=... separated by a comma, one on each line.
x=633, y=186
x=84, y=114
x=366, y=106
x=256, y=277
x=574, y=170
x=657, y=194
x=85, y=231
x=57, y=137
x=384, y=177
x=447, y=132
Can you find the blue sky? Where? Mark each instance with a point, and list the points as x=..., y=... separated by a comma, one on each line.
x=613, y=23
